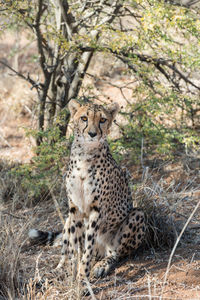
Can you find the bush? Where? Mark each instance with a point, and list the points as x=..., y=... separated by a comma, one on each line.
x=155, y=125
x=45, y=172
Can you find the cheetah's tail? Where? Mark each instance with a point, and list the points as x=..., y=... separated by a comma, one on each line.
x=45, y=237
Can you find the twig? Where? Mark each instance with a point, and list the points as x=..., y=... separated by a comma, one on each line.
x=14, y=216
x=175, y=246
x=194, y=226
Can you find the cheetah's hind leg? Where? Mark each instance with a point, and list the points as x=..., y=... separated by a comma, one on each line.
x=128, y=237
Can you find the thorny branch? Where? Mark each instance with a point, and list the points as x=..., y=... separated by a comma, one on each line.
x=127, y=55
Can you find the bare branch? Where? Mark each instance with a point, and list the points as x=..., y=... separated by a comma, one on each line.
x=158, y=62
x=68, y=18
x=28, y=78
x=181, y=75
x=40, y=40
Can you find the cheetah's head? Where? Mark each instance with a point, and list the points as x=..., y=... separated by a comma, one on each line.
x=92, y=121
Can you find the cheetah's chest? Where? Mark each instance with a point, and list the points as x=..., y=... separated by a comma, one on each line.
x=80, y=186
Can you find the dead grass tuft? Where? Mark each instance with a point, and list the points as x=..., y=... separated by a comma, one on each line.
x=11, y=272
x=163, y=201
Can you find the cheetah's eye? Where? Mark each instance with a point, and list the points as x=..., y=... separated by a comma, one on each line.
x=84, y=119
x=103, y=120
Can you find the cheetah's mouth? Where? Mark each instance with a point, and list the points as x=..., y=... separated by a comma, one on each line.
x=91, y=142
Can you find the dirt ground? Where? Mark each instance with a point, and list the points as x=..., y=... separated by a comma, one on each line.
x=139, y=278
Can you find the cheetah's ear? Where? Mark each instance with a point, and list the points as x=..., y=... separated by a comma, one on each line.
x=73, y=106
x=113, y=109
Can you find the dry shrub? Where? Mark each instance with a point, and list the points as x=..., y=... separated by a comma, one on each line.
x=14, y=191
x=163, y=203
x=161, y=231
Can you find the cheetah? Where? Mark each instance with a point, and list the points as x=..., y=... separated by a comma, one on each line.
x=102, y=222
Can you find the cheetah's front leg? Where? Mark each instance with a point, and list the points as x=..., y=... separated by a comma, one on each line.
x=90, y=236
x=65, y=243
x=72, y=237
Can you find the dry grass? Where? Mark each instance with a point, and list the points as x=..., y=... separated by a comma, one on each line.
x=11, y=272
x=29, y=273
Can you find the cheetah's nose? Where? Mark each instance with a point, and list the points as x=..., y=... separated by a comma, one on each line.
x=92, y=134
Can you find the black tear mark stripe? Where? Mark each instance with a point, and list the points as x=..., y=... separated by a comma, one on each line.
x=85, y=127
x=100, y=129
